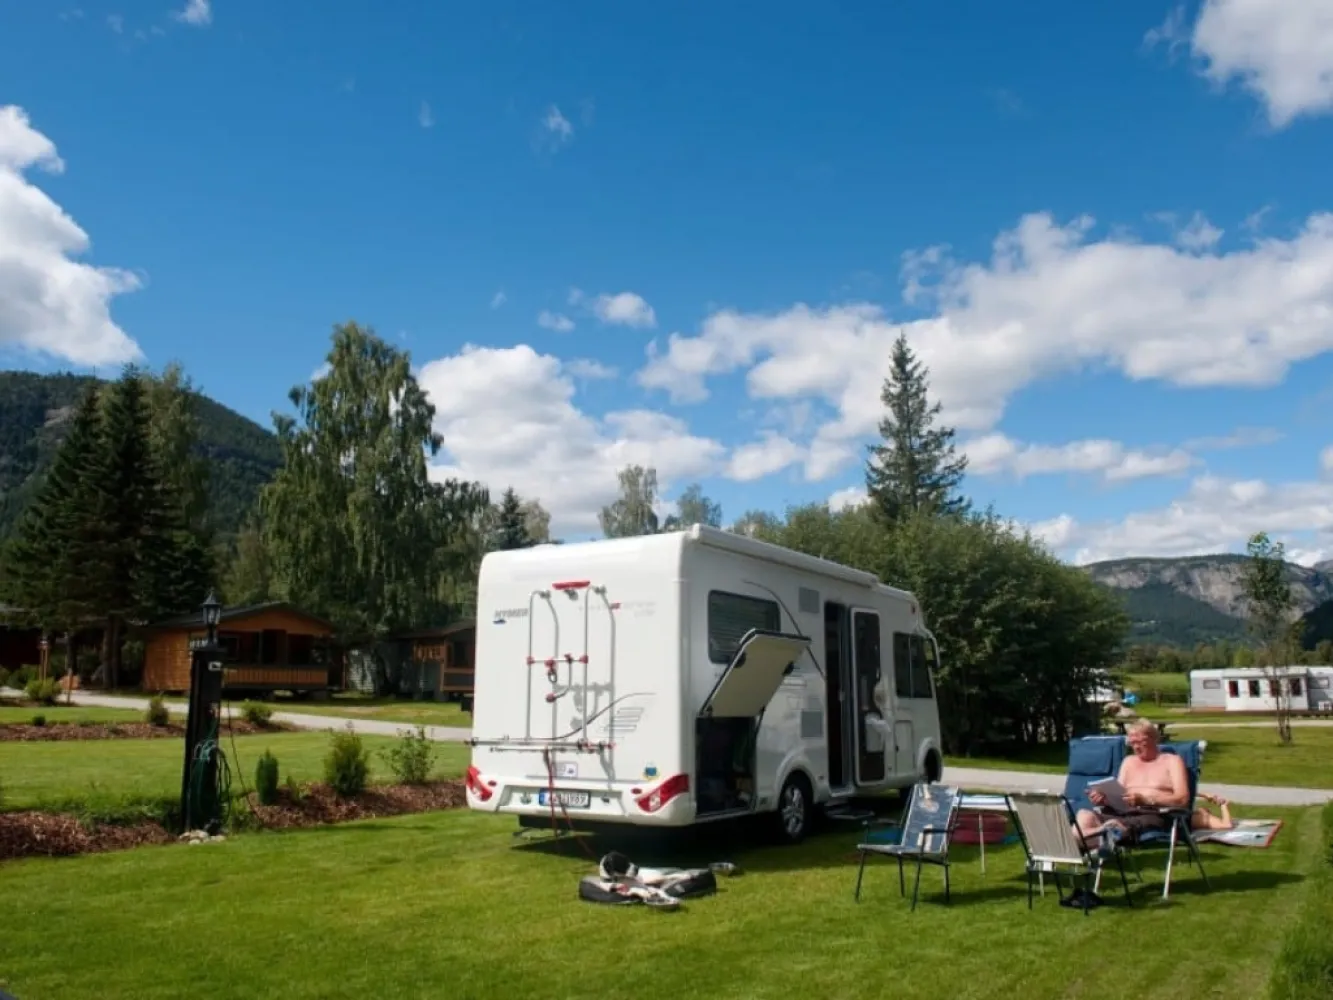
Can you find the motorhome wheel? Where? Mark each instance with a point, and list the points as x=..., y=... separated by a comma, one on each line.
x=934, y=768
x=794, y=809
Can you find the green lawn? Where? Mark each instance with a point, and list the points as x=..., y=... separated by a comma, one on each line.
x=55, y=772
x=1233, y=756
x=67, y=713
x=427, y=713
x=446, y=905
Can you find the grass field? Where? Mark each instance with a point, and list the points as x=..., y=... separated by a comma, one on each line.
x=1234, y=756
x=10, y=714
x=50, y=773
x=446, y=905
x=426, y=713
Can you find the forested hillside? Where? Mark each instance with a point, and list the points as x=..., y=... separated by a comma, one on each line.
x=34, y=418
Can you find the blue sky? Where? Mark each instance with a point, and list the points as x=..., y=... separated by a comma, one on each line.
x=1100, y=225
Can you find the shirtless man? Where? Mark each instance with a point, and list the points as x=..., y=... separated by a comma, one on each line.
x=1152, y=780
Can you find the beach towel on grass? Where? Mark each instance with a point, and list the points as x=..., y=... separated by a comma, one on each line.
x=1246, y=833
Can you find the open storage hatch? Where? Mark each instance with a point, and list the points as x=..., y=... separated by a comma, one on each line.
x=751, y=679
x=728, y=723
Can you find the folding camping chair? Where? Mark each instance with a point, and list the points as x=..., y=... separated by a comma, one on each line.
x=1045, y=824
x=1178, y=820
x=1092, y=758
x=926, y=828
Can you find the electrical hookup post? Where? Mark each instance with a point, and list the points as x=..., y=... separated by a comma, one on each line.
x=201, y=808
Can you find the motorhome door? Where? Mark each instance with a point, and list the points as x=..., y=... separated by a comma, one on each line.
x=874, y=731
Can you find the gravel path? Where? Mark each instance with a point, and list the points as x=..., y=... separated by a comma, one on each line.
x=968, y=777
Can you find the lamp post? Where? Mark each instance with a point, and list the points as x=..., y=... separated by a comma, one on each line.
x=44, y=658
x=200, y=808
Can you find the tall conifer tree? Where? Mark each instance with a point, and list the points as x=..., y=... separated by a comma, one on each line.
x=915, y=468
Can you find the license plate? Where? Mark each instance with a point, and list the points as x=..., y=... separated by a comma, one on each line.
x=566, y=798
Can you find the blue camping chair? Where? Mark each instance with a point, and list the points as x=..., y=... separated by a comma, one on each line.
x=1191, y=751
x=1093, y=758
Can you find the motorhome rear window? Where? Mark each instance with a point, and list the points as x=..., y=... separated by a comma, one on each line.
x=730, y=616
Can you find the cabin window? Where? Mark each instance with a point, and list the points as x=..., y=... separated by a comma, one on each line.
x=1272, y=689
x=1233, y=689
x=1212, y=684
x=730, y=616
x=1319, y=682
x=1294, y=687
x=912, y=661
x=1254, y=689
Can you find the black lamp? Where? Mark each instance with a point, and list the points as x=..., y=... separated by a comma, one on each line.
x=212, y=614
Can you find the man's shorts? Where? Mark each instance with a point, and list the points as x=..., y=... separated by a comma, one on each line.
x=1136, y=822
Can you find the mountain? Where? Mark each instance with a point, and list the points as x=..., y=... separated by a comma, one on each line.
x=34, y=415
x=1197, y=598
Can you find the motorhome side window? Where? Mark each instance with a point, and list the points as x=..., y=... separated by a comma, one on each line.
x=730, y=616
x=913, y=659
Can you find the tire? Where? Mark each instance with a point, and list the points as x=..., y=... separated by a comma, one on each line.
x=795, y=809
x=934, y=767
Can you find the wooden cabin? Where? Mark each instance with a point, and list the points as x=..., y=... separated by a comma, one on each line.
x=20, y=645
x=268, y=647
x=437, y=662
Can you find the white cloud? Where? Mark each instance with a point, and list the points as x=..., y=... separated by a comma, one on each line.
x=761, y=458
x=1214, y=515
x=556, y=130
x=509, y=418
x=196, y=12
x=116, y=23
x=554, y=321
x=1198, y=234
x=498, y=299
x=997, y=454
x=621, y=309
x=852, y=496
x=425, y=117
x=1050, y=301
x=1281, y=51
x=1241, y=437
x=49, y=302
x=588, y=368
x=1326, y=459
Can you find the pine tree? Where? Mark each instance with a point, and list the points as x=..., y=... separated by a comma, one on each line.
x=54, y=557
x=127, y=491
x=915, y=468
x=511, y=528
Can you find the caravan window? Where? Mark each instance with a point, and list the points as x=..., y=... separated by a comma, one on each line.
x=1212, y=685
x=730, y=616
x=912, y=661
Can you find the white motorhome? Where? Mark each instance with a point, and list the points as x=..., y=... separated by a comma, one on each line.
x=693, y=676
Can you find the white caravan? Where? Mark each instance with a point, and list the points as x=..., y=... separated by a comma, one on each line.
x=692, y=676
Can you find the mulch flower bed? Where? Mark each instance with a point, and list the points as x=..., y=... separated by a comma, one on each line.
x=41, y=834
x=318, y=805
x=26, y=732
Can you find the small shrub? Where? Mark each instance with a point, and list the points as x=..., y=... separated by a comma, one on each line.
x=18, y=679
x=256, y=713
x=43, y=692
x=347, y=765
x=157, y=714
x=266, y=779
x=85, y=723
x=39, y=720
x=294, y=789
x=411, y=758
x=4, y=677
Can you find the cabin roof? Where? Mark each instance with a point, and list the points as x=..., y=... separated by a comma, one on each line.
x=1245, y=673
x=442, y=632
x=239, y=612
